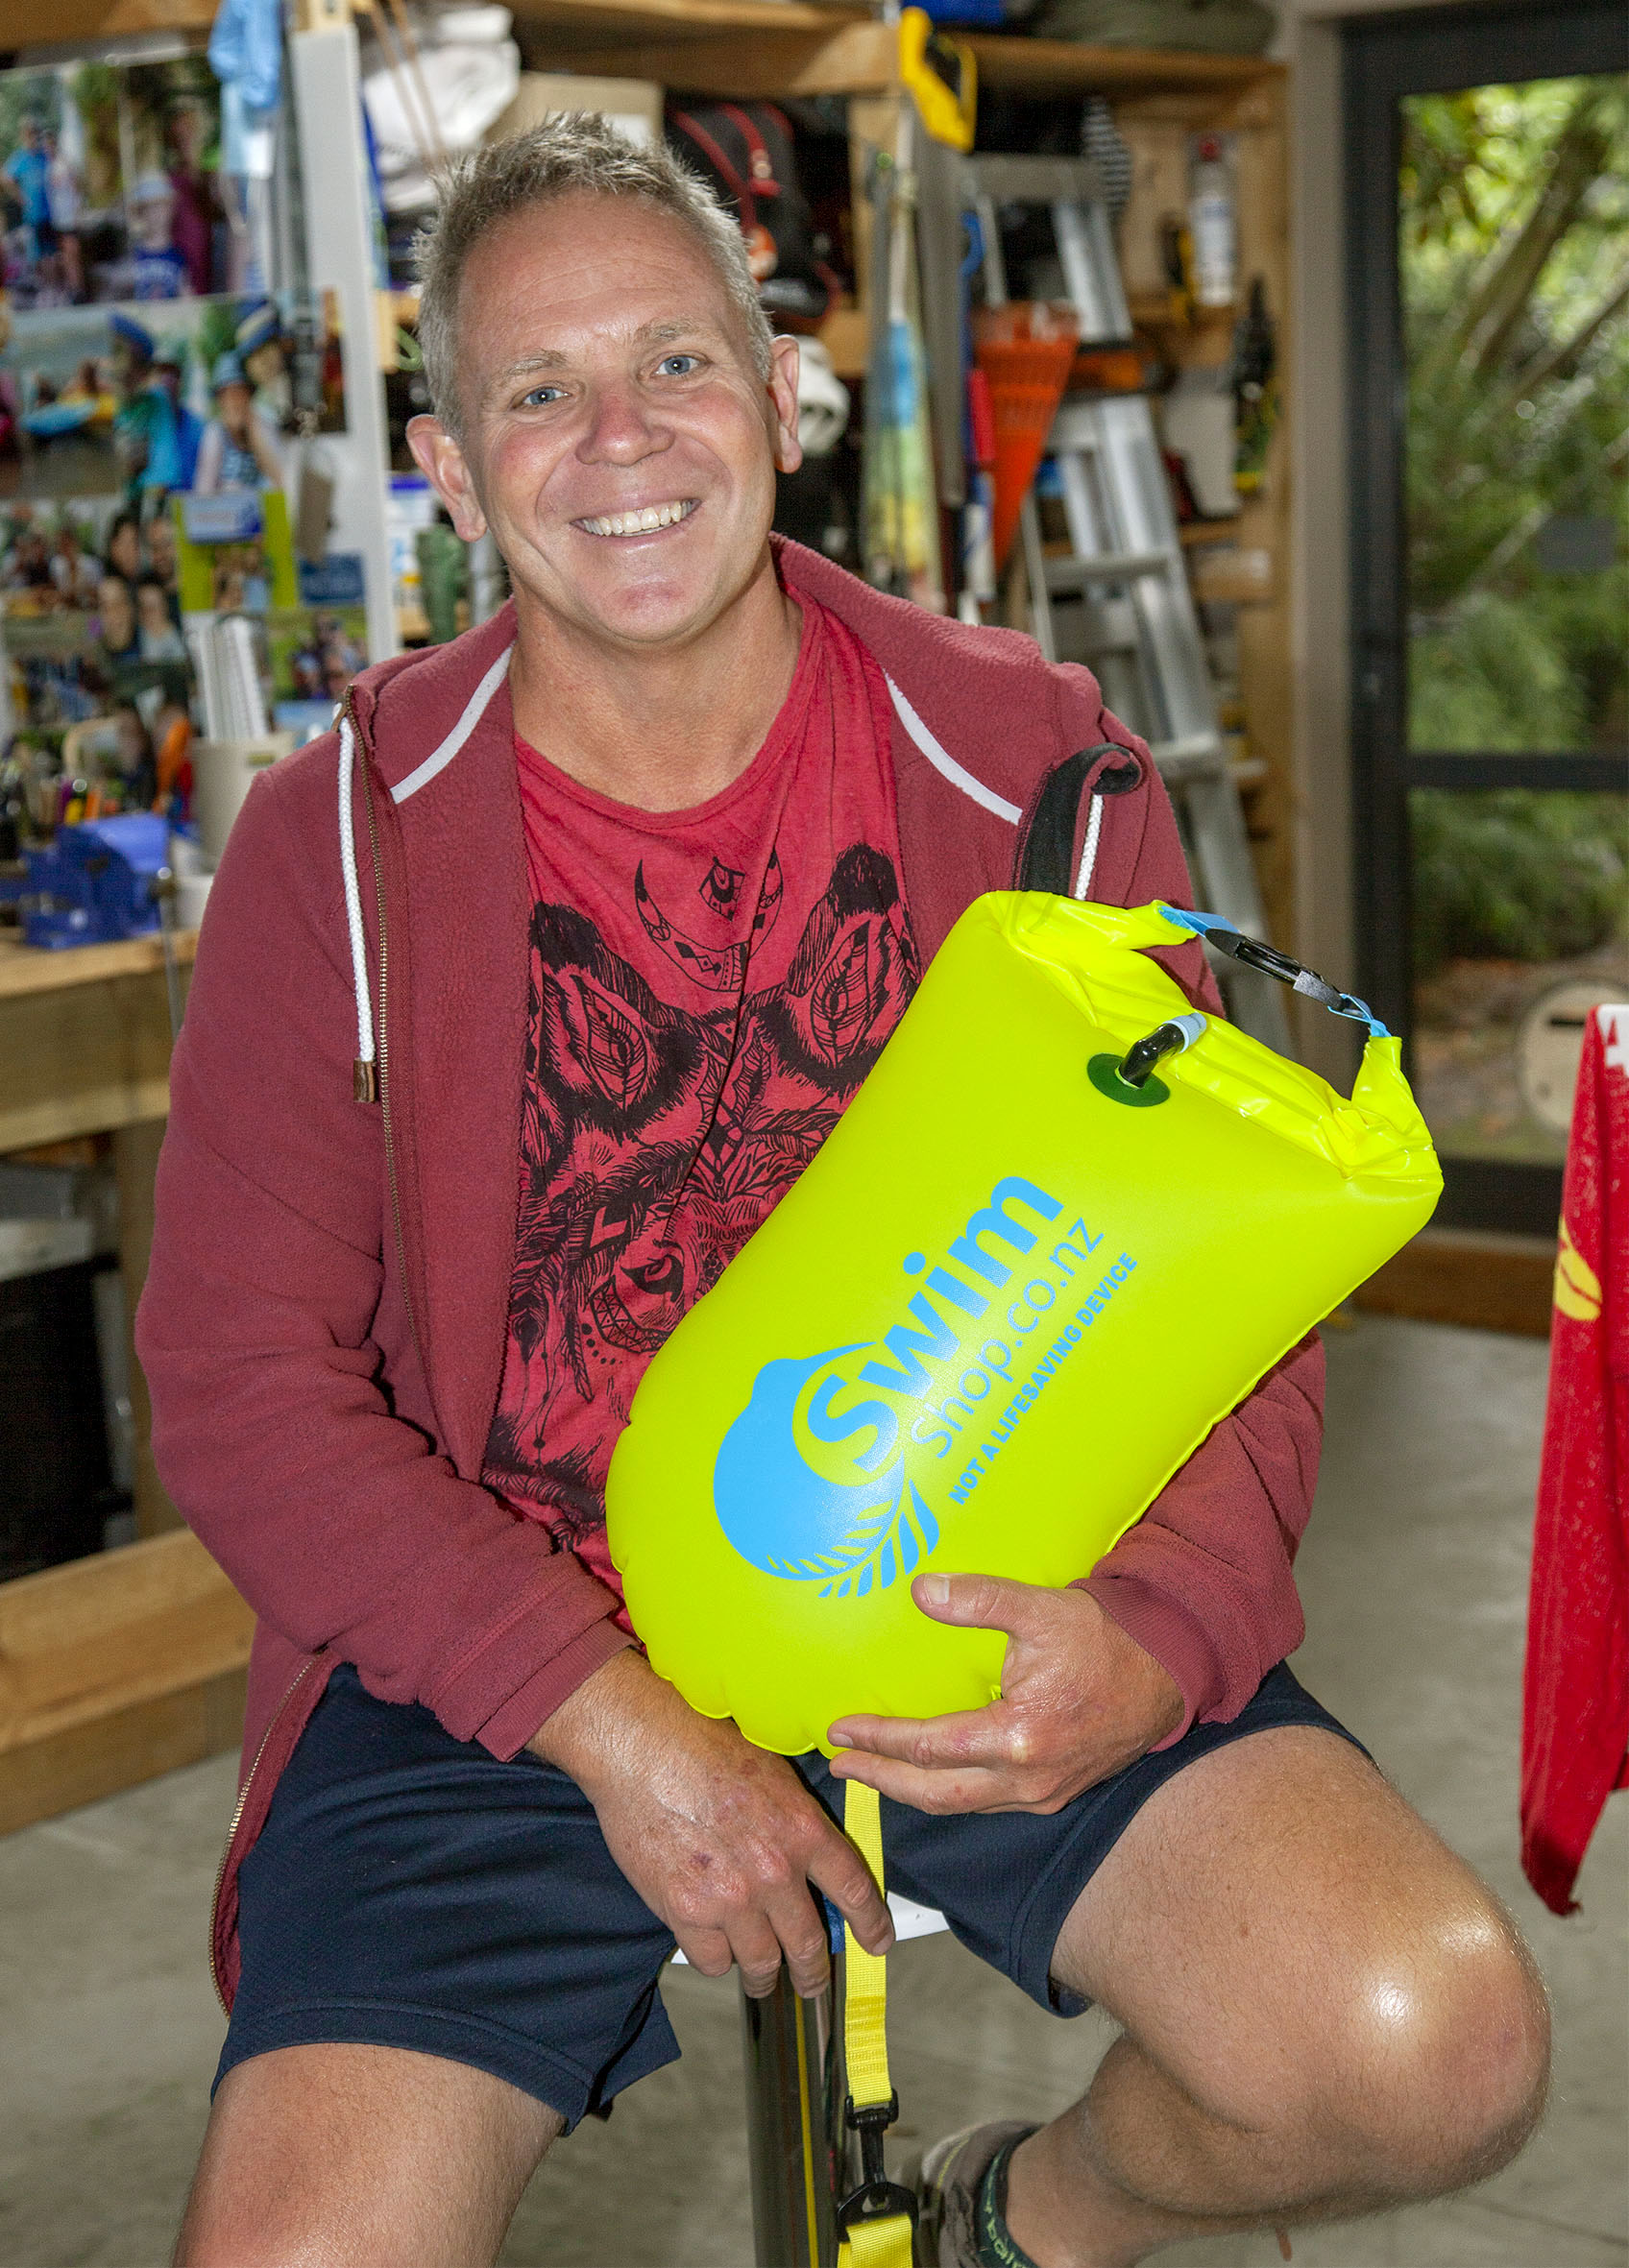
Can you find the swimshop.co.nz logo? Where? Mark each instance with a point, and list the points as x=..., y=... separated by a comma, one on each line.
x=822, y=1477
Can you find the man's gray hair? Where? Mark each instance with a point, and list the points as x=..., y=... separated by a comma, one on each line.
x=575, y=155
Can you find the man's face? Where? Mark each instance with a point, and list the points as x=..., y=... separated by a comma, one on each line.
x=606, y=381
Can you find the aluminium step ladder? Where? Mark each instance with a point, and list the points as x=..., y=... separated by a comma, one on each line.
x=1121, y=595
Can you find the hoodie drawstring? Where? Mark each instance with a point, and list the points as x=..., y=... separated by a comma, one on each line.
x=364, y=1071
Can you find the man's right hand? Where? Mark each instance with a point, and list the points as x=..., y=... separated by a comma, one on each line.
x=721, y=1839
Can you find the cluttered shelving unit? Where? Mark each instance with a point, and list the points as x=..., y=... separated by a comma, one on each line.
x=131, y=1662
x=754, y=50
x=750, y=49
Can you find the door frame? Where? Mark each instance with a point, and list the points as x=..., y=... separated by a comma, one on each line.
x=1383, y=58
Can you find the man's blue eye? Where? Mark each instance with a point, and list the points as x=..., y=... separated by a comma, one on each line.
x=672, y=362
x=537, y=393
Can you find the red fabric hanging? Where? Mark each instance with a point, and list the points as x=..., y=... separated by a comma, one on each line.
x=1575, y=1703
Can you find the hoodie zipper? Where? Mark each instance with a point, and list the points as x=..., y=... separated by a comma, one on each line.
x=238, y=1808
x=391, y=1182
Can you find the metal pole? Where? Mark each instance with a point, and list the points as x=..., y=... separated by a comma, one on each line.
x=793, y=2056
x=340, y=247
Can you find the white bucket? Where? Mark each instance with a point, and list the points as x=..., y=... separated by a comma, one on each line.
x=223, y=772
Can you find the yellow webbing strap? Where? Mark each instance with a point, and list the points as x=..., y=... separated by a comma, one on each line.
x=876, y=2244
x=865, y=2002
x=886, y=2243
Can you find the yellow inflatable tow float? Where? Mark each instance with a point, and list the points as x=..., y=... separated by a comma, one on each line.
x=1065, y=1227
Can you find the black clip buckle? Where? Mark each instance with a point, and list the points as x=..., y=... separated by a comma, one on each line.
x=876, y=2198
x=1299, y=977
x=1254, y=954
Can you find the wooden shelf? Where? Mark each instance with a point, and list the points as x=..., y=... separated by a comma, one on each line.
x=116, y=1668
x=745, y=47
x=1476, y=1277
x=591, y=22
x=1059, y=67
x=21, y=24
x=1153, y=312
x=31, y=969
x=1193, y=532
x=568, y=23
x=837, y=55
x=1242, y=576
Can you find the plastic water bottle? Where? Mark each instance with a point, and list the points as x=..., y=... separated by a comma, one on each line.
x=1212, y=223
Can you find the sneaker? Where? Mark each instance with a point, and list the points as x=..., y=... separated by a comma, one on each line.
x=946, y=2181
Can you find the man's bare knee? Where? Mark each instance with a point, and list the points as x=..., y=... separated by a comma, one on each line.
x=350, y=2156
x=1438, y=2062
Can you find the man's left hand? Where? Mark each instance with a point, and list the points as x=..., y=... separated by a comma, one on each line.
x=1080, y=1699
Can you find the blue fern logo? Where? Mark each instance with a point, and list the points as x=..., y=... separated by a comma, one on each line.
x=789, y=1519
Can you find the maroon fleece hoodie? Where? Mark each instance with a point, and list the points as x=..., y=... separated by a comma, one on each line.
x=323, y=1327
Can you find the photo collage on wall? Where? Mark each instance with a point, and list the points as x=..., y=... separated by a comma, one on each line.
x=161, y=412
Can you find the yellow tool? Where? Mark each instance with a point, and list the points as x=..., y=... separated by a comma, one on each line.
x=942, y=76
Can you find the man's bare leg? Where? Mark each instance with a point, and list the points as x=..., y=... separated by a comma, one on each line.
x=1325, y=2012
x=346, y=2156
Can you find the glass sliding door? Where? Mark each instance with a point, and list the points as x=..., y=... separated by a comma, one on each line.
x=1488, y=291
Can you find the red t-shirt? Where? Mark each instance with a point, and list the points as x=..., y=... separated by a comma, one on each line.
x=708, y=989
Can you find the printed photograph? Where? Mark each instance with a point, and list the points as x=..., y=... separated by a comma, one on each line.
x=194, y=394
x=242, y=568
x=110, y=187
x=62, y=183
x=182, y=241
x=54, y=556
x=314, y=652
x=90, y=601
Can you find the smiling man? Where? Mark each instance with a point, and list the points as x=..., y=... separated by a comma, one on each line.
x=489, y=1064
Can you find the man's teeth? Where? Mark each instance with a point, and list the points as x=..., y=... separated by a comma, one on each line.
x=638, y=523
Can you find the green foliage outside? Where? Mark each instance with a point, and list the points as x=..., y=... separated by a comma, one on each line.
x=1514, y=265
x=1508, y=874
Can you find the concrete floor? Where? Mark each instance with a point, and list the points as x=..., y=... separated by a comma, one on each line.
x=1415, y=1581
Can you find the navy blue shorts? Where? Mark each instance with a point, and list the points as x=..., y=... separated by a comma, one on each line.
x=409, y=1890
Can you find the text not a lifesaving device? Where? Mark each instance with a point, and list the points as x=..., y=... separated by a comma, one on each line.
x=1065, y=1227
x=1033, y=1266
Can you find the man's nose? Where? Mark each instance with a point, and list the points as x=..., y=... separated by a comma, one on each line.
x=623, y=425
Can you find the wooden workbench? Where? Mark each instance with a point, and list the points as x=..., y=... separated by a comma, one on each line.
x=128, y=1663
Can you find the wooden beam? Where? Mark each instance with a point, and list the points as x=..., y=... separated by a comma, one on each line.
x=129, y=1744
x=25, y=969
x=645, y=19
x=1474, y=1277
x=24, y=23
x=113, y=1668
x=85, y=1037
x=749, y=66
x=1058, y=67
x=873, y=128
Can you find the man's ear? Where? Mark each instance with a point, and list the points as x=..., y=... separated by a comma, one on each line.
x=441, y=461
x=783, y=398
